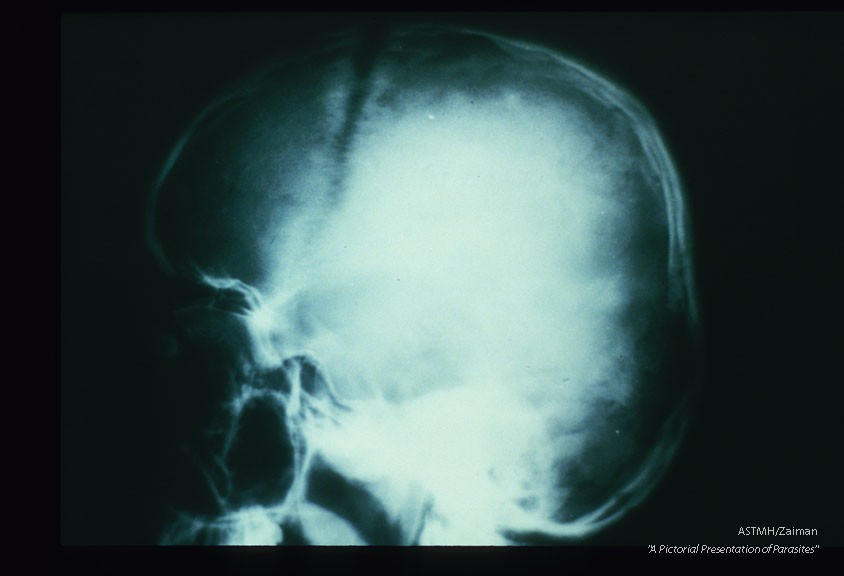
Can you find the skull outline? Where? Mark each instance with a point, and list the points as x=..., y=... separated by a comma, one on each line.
x=264, y=327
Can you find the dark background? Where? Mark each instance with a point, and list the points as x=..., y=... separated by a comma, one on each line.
x=750, y=106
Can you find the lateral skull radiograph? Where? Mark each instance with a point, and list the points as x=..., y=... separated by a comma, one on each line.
x=447, y=297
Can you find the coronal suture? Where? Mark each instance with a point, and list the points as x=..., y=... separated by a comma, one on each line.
x=447, y=298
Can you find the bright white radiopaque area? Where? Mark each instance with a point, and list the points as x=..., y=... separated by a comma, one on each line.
x=477, y=454
x=458, y=281
x=464, y=246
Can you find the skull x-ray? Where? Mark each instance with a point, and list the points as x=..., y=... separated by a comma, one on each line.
x=445, y=297
x=331, y=282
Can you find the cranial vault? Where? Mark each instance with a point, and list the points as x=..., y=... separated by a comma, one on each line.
x=451, y=275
